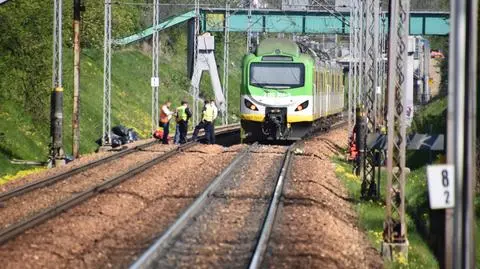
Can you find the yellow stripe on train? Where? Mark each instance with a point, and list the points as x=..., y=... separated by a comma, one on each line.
x=253, y=117
x=290, y=118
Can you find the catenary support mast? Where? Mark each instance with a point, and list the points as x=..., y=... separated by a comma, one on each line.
x=107, y=85
x=57, y=155
x=462, y=90
x=226, y=59
x=155, y=80
x=395, y=240
x=77, y=6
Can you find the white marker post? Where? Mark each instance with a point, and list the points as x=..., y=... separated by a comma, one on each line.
x=155, y=81
x=441, y=186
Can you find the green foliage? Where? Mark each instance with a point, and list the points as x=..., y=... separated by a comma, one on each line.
x=24, y=109
x=372, y=215
x=25, y=66
x=431, y=118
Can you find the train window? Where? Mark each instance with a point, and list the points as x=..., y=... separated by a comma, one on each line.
x=277, y=75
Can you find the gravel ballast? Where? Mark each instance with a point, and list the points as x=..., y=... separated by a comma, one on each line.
x=110, y=229
x=317, y=226
x=224, y=234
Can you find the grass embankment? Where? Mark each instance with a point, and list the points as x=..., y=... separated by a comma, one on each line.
x=420, y=219
x=27, y=140
x=372, y=214
x=424, y=225
x=131, y=99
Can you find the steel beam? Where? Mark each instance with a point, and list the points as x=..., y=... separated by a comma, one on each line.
x=351, y=112
x=371, y=33
x=107, y=76
x=57, y=154
x=77, y=6
x=195, y=91
x=461, y=146
x=226, y=60
x=395, y=240
x=249, y=28
x=155, y=81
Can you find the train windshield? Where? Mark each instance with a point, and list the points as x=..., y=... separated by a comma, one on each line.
x=277, y=75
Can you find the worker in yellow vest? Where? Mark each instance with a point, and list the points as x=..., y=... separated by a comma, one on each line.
x=206, y=123
x=165, y=116
x=215, y=114
x=183, y=115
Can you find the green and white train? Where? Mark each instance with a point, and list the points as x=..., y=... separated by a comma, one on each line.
x=287, y=90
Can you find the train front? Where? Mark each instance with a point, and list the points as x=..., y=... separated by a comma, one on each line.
x=276, y=97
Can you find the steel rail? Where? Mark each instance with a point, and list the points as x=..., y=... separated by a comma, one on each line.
x=55, y=178
x=48, y=213
x=20, y=227
x=262, y=243
x=62, y=176
x=152, y=255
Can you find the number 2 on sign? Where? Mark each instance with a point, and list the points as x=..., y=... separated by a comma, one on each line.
x=441, y=186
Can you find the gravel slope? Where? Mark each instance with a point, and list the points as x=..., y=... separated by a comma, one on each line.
x=317, y=225
x=110, y=229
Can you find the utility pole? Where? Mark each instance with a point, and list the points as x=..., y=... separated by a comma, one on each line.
x=155, y=82
x=461, y=128
x=57, y=154
x=77, y=8
x=107, y=78
x=226, y=59
x=395, y=241
x=249, y=29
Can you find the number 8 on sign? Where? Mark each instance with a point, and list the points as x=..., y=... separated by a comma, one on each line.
x=441, y=186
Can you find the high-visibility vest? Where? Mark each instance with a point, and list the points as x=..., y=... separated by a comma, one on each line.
x=181, y=113
x=163, y=116
x=208, y=113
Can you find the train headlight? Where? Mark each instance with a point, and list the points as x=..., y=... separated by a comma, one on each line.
x=250, y=105
x=302, y=106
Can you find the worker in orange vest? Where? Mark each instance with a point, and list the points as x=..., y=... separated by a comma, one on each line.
x=165, y=116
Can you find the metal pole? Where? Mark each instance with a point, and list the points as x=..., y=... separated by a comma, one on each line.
x=107, y=85
x=350, y=73
x=226, y=59
x=360, y=108
x=76, y=78
x=57, y=155
x=369, y=188
x=461, y=133
x=249, y=29
x=471, y=121
x=395, y=229
x=155, y=81
x=194, y=89
x=356, y=63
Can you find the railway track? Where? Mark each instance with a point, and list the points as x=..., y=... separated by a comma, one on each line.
x=171, y=249
x=68, y=174
x=221, y=197
x=77, y=198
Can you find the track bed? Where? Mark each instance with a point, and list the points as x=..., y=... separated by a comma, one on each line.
x=225, y=233
x=110, y=229
x=20, y=207
x=317, y=224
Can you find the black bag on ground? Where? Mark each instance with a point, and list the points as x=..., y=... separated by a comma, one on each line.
x=120, y=130
x=116, y=140
x=132, y=135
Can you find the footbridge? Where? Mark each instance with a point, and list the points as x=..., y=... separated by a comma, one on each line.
x=282, y=21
